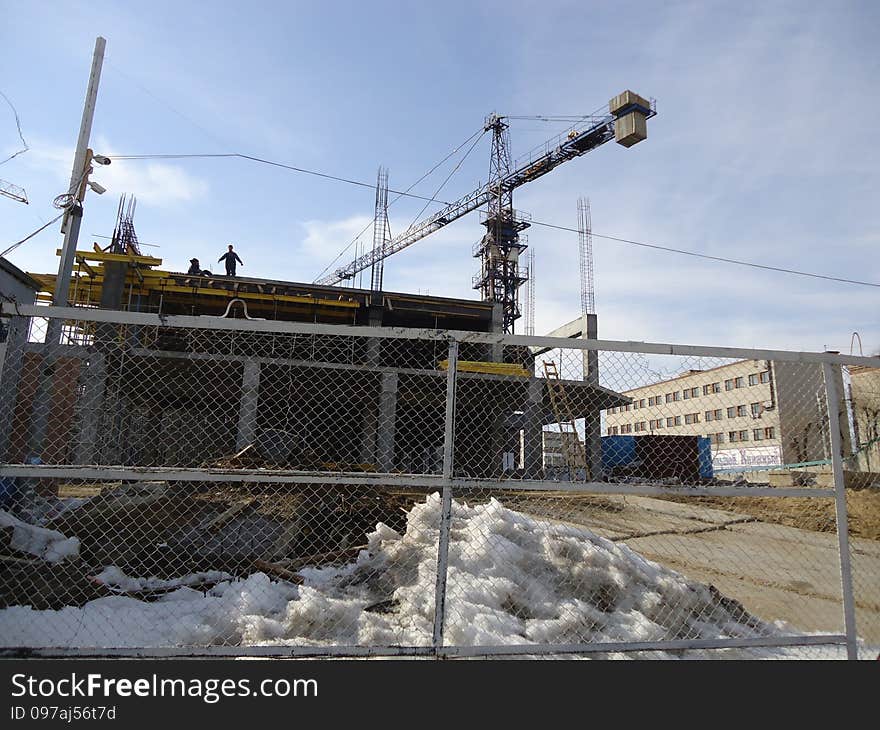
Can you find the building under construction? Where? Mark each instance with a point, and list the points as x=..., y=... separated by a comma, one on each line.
x=133, y=394
x=185, y=397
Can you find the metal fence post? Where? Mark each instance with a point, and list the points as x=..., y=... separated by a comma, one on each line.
x=846, y=584
x=446, y=507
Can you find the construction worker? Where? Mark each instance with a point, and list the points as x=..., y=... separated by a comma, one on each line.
x=195, y=269
x=230, y=257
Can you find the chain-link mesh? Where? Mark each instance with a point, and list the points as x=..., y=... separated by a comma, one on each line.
x=250, y=488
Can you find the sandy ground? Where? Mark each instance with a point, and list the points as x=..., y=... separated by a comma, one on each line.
x=776, y=570
x=863, y=511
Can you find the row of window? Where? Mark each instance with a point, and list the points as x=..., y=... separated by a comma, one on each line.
x=753, y=409
x=688, y=393
x=758, y=434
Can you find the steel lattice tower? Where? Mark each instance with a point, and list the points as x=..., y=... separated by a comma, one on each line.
x=585, y=239
x=381, y=229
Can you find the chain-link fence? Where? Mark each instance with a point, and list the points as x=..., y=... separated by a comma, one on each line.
x=199, y=485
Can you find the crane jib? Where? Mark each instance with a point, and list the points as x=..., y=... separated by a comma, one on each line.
x=577, y=143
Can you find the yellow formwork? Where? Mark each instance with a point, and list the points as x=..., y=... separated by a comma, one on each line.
x=489, y=368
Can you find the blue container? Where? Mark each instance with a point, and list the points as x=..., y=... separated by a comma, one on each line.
x=618, y=451
x=704, y=454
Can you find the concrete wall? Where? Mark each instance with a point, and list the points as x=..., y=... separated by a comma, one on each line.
x=864, y=398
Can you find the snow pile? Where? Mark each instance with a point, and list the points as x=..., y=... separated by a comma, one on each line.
x=512, y=580
x=49, y=545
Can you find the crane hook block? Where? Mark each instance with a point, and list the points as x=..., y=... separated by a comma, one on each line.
x=631, y=118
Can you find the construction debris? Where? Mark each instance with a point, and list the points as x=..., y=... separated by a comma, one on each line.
x=165, y=530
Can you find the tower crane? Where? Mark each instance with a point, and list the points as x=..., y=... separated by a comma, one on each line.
x=500, y=276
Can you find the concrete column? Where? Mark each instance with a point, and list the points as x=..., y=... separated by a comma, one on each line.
x=112, y=291
x=10, y=376
x=369, y=418
x=533, y=446
x=593, y=434
x=247, y=410
x=94, y=381
x=496, y=352
x=387, y=422
x=374, y=345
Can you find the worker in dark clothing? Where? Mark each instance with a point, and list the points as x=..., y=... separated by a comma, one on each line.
x=195, y=269
x=230, y=257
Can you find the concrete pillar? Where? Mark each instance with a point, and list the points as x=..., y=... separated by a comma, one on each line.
x=91, y=408
x=112, y=291
x=247, y=410
x=10, y=376
x=374, y=345
x=496, y=352
x=387, y=422
x=369, y=418
x=593, y=433
x=533, y=446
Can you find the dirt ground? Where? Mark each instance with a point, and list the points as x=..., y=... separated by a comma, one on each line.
x=863, y=511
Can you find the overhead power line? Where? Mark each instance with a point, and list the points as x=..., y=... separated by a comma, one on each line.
x=643, y=244
x=353, y=241
x=262, y=161
x=712, y=258
x=25, y=147
x=30, y=235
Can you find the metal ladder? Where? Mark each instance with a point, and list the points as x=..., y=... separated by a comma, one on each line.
x=572, y=447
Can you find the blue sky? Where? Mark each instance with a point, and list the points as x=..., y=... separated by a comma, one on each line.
x=764, y=147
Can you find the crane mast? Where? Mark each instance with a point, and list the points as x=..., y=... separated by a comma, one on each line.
x=499, y=277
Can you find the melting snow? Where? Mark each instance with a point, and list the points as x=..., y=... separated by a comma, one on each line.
x=512, y=579
x=49, y=545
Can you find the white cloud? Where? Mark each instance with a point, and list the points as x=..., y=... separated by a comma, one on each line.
x=153, y=183
x=324, y=240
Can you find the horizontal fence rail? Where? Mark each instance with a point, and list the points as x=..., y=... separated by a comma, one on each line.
x=194, y=485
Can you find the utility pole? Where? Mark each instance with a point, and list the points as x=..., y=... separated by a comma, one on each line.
x=82, y=166
x=82, y=162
